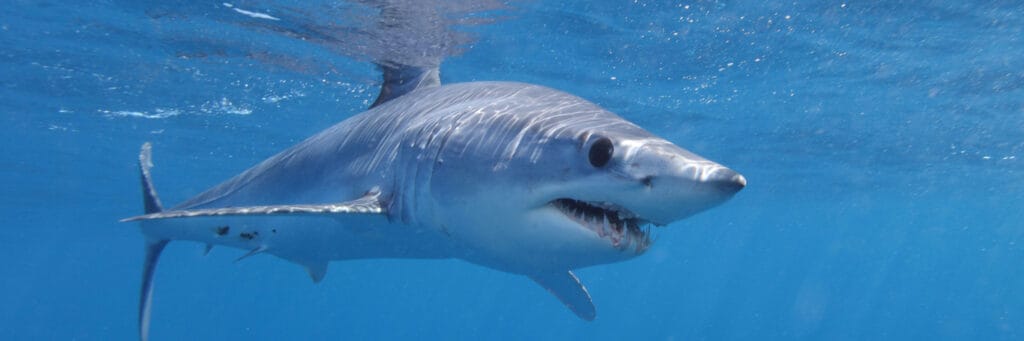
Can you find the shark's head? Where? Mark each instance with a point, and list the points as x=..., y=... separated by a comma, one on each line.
x=622, y=184
x=568, y=189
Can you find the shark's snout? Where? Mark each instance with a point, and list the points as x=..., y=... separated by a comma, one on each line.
x=727, y=181
x=677, y=183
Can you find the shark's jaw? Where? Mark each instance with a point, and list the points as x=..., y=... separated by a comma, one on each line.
x=616, y=224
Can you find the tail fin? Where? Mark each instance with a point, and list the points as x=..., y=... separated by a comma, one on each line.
x=149, y=198
x=153, y=247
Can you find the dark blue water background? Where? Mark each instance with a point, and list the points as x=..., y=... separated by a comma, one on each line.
x=883, y=144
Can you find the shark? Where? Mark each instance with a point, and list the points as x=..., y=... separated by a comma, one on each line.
x=515, y=177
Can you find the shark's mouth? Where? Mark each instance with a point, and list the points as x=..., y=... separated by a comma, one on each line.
x=609, y=221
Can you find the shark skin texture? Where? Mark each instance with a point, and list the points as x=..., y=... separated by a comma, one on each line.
x=516, y=177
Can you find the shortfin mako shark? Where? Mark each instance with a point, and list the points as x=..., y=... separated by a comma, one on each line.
x=516, y=177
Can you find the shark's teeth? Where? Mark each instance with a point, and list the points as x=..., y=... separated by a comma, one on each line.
x=604, y=226
x=609, y=221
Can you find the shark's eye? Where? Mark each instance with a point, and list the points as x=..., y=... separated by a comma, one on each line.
x=601, y=152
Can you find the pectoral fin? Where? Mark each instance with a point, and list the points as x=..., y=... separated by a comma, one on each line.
x=570, y=291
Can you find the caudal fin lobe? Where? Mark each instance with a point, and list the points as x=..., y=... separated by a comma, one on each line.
x=151, y=204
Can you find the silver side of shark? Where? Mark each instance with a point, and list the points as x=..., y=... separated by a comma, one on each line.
x=516, y=177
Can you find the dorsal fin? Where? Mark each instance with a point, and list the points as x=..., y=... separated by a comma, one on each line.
x=402, y=79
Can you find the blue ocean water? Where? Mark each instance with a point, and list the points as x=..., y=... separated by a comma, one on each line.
x=883, y=145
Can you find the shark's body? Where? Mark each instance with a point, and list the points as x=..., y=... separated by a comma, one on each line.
x=516, y=177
